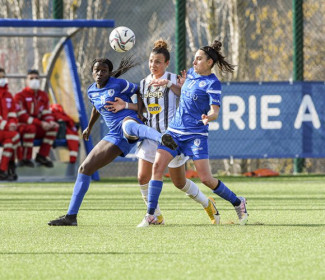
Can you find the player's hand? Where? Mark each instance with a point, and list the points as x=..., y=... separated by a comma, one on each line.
x=158, y=82
x=54, y=124
x=116, y=106
x=45, y=125
x=86, y=134
x=205, y=119
x=181, y=78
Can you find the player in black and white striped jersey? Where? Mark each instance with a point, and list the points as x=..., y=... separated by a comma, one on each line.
x=160, y=92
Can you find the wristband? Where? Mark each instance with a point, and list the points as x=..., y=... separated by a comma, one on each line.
x=169, y=84
x=126, y=105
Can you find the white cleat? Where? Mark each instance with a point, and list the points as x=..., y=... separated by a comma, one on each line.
x=147, y=221
x=242, y=211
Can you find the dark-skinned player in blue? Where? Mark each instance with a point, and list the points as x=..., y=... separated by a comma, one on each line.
x=125, y=129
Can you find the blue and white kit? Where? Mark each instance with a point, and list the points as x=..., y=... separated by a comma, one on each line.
x=99, y=97
x=189, y=132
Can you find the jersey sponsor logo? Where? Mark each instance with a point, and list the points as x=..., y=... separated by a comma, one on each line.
x=158, y=94
x=202, y=84
x=110, y=92
x=197, y=142
x=29, y=99
x=154, y=108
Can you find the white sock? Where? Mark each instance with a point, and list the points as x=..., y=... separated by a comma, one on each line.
x=193, y=191
x=144, y=192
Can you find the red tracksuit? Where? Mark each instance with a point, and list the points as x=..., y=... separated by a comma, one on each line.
x=72, y=135
x=9, y=137
x=33, y=107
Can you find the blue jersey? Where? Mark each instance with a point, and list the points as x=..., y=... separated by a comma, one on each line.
x=198, y=93
x=114, y=88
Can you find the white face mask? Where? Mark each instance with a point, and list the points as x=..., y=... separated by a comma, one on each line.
x=34, y=84
x=3, y=82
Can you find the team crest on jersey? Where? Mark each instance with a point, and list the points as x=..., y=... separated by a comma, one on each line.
x=202, y=84
x=197, y=142
x=154, y=108
x=110, y=92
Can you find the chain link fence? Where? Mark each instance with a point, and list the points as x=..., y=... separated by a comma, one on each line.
x=257, y=37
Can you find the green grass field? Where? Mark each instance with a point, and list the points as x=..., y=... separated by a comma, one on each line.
x=284, y=238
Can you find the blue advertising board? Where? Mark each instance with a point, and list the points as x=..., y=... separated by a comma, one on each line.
x=270, y=120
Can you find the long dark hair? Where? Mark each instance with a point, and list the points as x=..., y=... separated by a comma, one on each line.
x=127, y=62
x=213, y=51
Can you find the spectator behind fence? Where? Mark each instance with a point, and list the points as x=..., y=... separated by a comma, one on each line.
x=9, y=137
x=67, y=130
x=33, y=109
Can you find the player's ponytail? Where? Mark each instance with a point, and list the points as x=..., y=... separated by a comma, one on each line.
x=214, y=52
x=127, y=62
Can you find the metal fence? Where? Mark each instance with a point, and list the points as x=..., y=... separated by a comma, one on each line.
x=257, y=37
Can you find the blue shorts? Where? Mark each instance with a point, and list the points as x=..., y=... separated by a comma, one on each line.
x=117, y=138
x=195, y=145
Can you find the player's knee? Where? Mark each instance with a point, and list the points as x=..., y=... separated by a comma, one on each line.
x=158, y=169
x=127, y=128
x=86, y=168
x=143, y=178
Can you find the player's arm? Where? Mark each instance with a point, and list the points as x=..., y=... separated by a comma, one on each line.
x=212, y=115
x=119, y=104
x=93, y=118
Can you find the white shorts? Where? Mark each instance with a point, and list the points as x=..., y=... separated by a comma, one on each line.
x=147, y=151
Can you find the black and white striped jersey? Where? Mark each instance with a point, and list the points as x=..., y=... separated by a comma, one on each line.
x=160, y=102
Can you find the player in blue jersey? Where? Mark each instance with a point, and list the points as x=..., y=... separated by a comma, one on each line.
x=199, y=105
x=125, y=128
x=163, y=96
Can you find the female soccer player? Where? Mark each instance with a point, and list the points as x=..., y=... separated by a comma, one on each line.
x=199, y=104
x=160, y=103
x=125, y=128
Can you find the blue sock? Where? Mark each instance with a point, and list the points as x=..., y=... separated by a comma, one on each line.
x=80, y=188
x=226, y=194
x=141, y=130
x=153, y=195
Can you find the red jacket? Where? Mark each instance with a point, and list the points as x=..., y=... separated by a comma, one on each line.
x=7, y=109
x=33, y=107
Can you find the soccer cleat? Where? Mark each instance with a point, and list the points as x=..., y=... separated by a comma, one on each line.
x=160, y=220
x=66, y=220
x=3, y=175
x=43, y=161
x=242, y=211
x=28, y=163
x=148, y=220
x=168, y=141
x=212, y=212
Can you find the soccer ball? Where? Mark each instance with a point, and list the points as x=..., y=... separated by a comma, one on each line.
x=122, y=39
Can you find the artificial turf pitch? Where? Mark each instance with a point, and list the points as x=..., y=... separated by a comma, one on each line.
x=284, y=237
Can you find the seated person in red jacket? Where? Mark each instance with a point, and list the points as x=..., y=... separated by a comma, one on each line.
x=71, y=131
x=9, y=137
x=33, y=108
